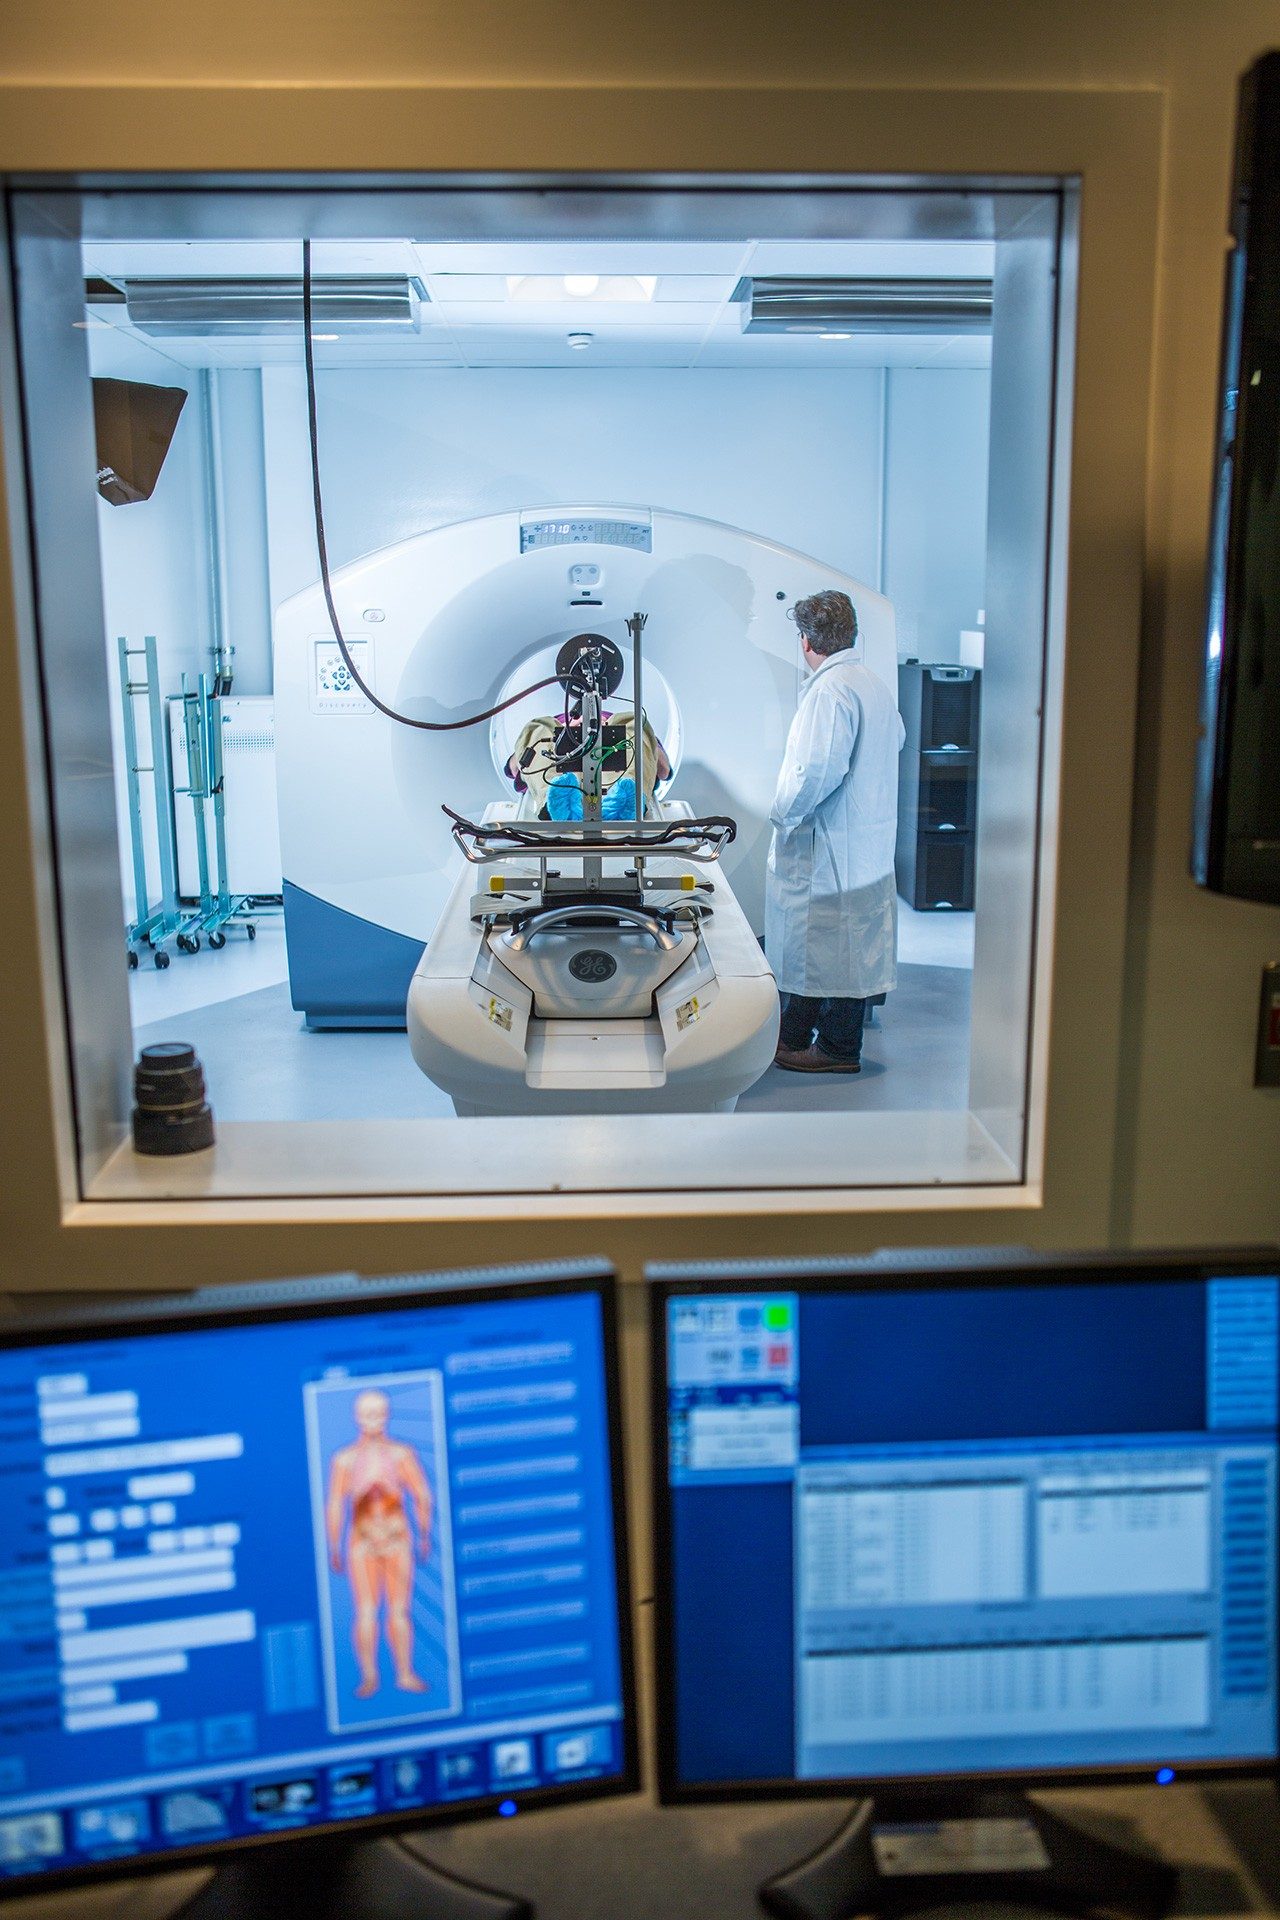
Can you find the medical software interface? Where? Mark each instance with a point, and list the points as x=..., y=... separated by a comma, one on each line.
x=919, y=1532
x=255, y=1578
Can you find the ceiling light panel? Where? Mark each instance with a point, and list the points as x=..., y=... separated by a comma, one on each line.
x=603, y=257
x=529, y=318
x=595, y=289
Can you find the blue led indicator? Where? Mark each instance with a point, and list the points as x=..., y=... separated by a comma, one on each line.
x=507, y=1807
x=1163, y=1776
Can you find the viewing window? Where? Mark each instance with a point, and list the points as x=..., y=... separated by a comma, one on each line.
x=539, y=414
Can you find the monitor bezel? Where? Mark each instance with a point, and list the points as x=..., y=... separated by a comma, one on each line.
x=332, y=1297
x=935, y=1271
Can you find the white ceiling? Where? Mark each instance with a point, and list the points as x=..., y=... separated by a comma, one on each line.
x=470, y=321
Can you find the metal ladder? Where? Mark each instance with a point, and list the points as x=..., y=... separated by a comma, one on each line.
x=206, y=788
x=154, y=926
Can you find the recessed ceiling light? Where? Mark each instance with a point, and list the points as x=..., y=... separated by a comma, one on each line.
x=580, y=341
x=324, y=336
x=559, y=287
x=835, y=336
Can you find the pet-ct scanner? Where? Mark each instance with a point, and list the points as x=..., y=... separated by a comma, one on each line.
x=452, y=622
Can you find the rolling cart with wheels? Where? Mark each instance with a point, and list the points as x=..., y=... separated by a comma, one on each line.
x=155, y=925
x=219, y=908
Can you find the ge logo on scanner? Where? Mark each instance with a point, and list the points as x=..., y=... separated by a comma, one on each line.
x=593, y=965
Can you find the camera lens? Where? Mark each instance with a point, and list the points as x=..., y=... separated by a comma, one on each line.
x=171, y=1114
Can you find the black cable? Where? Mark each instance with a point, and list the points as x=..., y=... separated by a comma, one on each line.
x=425, y=726
x=573, y=752
x=564, y=748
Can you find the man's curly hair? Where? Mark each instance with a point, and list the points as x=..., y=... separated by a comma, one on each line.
x=826, y=620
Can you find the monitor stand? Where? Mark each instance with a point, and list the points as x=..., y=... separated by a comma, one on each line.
x=344, y=1879
x=902, y=1853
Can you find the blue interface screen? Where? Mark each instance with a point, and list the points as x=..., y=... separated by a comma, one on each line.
x=972, y=1531
x=262, y=1577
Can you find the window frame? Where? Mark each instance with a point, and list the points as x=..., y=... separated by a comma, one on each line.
x=1115, y=135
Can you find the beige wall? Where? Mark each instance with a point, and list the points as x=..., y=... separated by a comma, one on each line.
x=1197, y=1154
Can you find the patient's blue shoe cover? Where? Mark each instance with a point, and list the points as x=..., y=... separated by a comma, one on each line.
x=620, y=801
x=564, y=797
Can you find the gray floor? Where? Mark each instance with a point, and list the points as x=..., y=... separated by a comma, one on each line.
x=261, y=1064
x=915, y=1056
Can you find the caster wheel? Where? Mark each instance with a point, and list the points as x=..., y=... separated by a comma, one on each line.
x=133, y=961
x=162, y=959
x=217, y=940
x=252, y=931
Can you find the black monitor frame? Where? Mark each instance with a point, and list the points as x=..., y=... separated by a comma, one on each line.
x=333, y=1297
x=1234, y=848
x=929, y=1272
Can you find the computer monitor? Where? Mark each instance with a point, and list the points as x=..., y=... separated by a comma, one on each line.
x=1009, y=1522
x=305, y=1562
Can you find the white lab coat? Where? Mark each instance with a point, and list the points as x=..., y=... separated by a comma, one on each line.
x=831, y=903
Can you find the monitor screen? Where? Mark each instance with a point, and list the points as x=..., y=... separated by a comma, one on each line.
x=352, y=1554
x=1006, y=1523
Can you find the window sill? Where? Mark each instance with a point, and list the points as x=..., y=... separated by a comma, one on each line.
x=455, y=1170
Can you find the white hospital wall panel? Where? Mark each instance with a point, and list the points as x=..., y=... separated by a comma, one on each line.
x=794, y=456
x=237, y=402
x=936, y=431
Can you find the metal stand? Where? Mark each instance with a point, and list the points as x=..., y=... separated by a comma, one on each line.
x=635, y=627
x=335, y=1879
x=901, y=1854
x=205, y=789
x=589, y=668
x=152, y=926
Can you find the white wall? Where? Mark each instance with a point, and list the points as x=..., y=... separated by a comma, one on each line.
x=936, y=427
x=794, y=456
x=236, y=394
x=155, y=563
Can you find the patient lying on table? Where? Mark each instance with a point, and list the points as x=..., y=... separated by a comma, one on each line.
x=544, y=765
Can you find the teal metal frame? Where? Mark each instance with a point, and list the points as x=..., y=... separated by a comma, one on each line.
x=153, y=926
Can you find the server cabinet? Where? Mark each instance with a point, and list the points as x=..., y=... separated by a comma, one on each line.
x=938, y=786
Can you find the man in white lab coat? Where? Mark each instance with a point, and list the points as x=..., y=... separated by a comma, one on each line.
x=831, y=903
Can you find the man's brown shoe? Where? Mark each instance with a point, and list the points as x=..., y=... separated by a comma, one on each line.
x=812, y=1059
